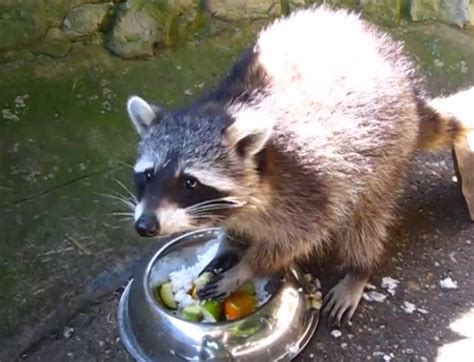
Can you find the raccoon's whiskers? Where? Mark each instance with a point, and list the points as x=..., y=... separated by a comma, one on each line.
x=122, y=214
x=127, y=190
x=129, y=203
x=215, y=204
x=206, y=216
x=207, y=208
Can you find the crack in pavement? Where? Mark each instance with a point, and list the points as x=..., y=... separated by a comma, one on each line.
x=57, y=187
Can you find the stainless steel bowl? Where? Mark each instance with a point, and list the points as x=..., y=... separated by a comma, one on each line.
x=277, y=331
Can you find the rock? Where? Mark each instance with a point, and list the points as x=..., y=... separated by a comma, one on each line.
x=55, y=44
x=134, y=33
x=24, y=22
x=425, y=9
x=85, y=19
x=455, y=12
x=240, y=9
x=19, y=30
x=15, y=55
x=388, y=12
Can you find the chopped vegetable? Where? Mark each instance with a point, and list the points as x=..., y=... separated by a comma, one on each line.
x=247, y=288
x=167, y=296
x=194, y=292
x=192, y=313
x=203, y=279
x=212, y=310
x=239, y=305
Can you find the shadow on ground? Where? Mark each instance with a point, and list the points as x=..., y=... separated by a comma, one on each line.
x=65, y=142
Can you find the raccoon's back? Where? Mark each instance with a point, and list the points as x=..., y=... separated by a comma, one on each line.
x=338, y=88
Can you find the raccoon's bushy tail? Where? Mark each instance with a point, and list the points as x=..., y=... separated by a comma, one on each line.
x=445, y=121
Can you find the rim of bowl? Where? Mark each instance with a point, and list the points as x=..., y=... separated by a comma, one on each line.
x=149, y=293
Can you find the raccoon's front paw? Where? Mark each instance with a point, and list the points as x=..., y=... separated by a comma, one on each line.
x=221, y=263
x=223, y=284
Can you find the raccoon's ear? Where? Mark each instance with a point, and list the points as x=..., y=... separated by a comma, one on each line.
x=249, y=134
x=142, y=113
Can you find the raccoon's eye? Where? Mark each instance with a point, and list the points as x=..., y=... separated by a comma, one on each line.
x=190, y=182
x=148, y=174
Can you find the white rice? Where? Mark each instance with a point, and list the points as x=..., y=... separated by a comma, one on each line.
x=182, y=277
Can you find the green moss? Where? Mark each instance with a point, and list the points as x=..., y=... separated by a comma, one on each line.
x=74, y=125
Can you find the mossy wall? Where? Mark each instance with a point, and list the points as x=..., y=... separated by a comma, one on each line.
x=141, y=28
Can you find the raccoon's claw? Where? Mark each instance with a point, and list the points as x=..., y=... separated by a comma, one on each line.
x=221, y=263
x=223, y=284
x=341, y=302
x=216, y=288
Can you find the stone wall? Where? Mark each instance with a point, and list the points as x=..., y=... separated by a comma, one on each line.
x=141, y=28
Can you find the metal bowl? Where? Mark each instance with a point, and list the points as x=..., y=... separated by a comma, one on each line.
x=277, y=331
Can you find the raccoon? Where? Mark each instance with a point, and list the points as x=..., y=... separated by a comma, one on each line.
x=302, y=146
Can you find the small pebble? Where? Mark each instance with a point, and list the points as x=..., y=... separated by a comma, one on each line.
x=311, y=355
x=409, y=351
x=408, y=307
x=438, y=63
x=336, y=333
x=448, y=283
x=390, y=284
x=343, y=345
x=374, y=296
x=68, y=332
x=370, y=286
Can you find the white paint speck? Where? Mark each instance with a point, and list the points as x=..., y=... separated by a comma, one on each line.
x=390, y=284
x=448, y=283
x=374, y=296
x=422, y=310
x=336, y=333
x=408, y=307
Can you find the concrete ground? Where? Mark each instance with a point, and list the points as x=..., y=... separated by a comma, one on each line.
x=64, y=254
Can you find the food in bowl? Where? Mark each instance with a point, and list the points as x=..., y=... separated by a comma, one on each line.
x=178, y=293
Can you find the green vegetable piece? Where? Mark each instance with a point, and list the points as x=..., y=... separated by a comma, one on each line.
x=212, y=310
x=203, y=280
x=248, y=288
x=192, y=313
x=167, y=296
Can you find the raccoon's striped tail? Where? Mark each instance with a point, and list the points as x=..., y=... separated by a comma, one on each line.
x=445, y=121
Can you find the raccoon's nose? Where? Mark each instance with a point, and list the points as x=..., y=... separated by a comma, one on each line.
x=147, y=225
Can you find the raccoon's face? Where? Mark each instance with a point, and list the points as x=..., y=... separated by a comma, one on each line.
x=194, y=169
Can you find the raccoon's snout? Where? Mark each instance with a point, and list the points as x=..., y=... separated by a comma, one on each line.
x=147, y=225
